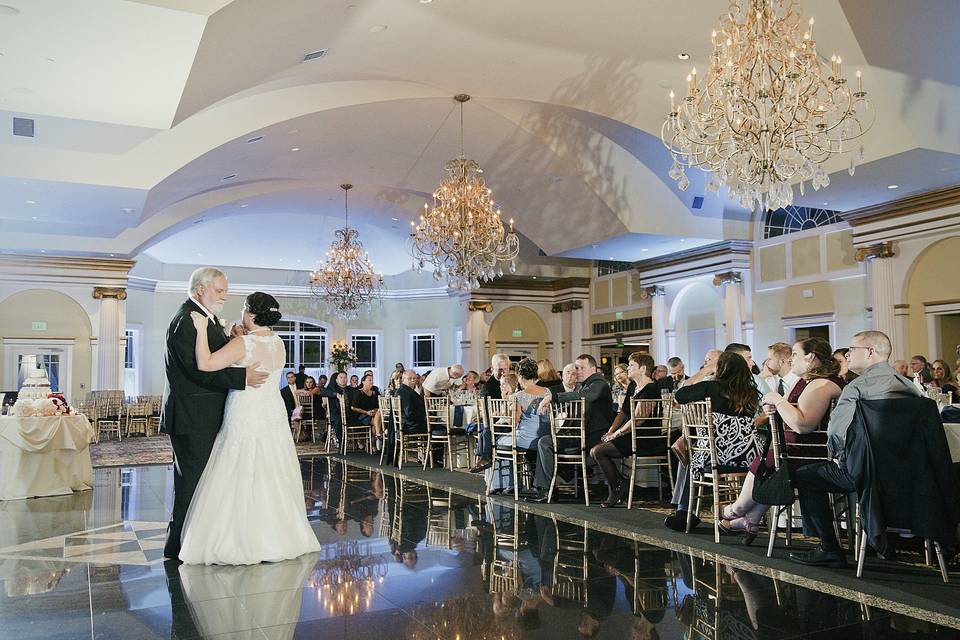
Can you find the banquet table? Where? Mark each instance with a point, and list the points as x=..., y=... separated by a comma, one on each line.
x=953, y=439
x=44, y=456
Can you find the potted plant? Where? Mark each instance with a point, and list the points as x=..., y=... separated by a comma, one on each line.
x=342, y=356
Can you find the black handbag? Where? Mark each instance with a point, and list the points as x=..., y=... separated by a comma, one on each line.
x=772, y=486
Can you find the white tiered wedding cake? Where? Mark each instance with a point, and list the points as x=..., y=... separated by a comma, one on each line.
x=35, y=397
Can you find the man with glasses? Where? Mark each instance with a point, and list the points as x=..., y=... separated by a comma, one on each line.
x=868, y=356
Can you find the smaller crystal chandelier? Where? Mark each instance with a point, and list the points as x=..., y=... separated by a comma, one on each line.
x=463, y=235
x=346, y=281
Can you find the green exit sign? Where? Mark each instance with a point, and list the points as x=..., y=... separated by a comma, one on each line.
x=39, y=326
x=618, y=315
x=517, y=333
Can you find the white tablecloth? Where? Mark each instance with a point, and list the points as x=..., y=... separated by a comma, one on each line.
x=469, y=414
x=953, y=439
x=44, y=456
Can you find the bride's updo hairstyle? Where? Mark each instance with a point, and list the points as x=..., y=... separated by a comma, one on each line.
x=264, y=308
x=527, y=369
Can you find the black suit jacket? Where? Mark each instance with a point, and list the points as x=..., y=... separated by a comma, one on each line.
x=332, y=392
x=491, y=388
x=598, y=406
x=193, y=399
x=287, y=394
x=413, y=410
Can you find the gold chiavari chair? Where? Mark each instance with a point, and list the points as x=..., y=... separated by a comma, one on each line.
x=389, y=432
x=438, y=430
x=439, y=518
x=108, y=420
x=138, y=418
x=654, y=416
x=505, y=567
x=700, y=434
x=304, y=400
x=502, y=422
x=569, y=435
x=409, y=442
x=571, y=565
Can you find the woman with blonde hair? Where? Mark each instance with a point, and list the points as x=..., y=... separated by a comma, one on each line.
x=547, y=375
x=942, y=377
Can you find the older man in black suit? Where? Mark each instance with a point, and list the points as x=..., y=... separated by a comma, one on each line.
x=194, y=400
x=412, y=406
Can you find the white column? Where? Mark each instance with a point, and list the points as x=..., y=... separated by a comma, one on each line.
x=109, y=355
x=901, y=337
x=476, y=356
x=730, y=284
x=658, y=317
x=671, y=337
x=880, y=273
x=578, y=327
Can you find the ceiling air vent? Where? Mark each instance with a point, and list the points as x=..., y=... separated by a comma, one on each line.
x=23, y=127
x=697, y=202
x=313, y=55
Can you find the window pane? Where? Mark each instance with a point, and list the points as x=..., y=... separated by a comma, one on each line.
x=313, y=349
x=128, y=352
x=423, y=350
x=366, y=349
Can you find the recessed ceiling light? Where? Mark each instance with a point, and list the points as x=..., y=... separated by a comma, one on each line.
x=113, y=255
x=33, y=217
x=43, y=250
x=683, y=239
x=425, y=1
x=31, y=202
x=254, y=139
x=534, y=277
x=825, y=203
x=244, y=206
x=683, y=56
x=644, y=249
x=394, y=219
x=610, y=258
x=128, y=210
x=7, y=10
x=377, y=28
x=294, y=148
x=292, y=131
x=229, y=177
x=893, y=186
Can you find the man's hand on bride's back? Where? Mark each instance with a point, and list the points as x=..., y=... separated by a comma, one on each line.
x=256, y=378
x=199, y=320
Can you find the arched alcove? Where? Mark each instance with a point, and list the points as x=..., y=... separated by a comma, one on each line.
x=934, y=332
x=503, y=332
x=696, y=316
x=67, y=331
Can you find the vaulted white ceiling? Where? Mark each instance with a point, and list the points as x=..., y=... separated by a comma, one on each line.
x=144, y=110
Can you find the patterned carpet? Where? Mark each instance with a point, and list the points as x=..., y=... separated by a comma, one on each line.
x=138, y=450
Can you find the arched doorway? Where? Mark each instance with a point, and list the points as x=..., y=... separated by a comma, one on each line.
x=519, y=332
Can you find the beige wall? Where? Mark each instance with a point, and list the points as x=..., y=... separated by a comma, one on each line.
x=519, y=318
x=65, y=318
x=932, y=278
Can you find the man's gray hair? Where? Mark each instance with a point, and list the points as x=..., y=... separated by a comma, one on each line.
x=876, y=339
x=203, y=277
x=674, y=362
x=568, y=368
x=497, y=357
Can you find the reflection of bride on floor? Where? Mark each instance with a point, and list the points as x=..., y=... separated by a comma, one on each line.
x=218, y=602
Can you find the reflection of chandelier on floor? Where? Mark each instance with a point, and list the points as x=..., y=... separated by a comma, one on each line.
x=463, y=235
x=345, y=580
x=346, y=281
x=769, y=112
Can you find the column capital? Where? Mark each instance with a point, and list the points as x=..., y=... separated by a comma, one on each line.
x=727, y=277
x=652, y=291
x=119, y=293
x=881, y=250
x=566, y=305
x=478, y=305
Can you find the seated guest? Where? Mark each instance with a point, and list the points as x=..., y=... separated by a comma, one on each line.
x=531, y=426
x=318, y=401
x=413, y=410
x=394, y=383
x=287, y=394
x=441, y=380
x=660, y=374
x=868, y=356
x=568, y=379
x=804, y=411
x=617, y=442
x=336, y=388
x=781, y=377
x=547, y=375
x=902, y=368
x=942, y=378
x=365, y=408
x=734, y=402
x=595, y=391
x=676, y=375
x=840, y=355
x=471, y=383
x=920, y=367
x=301, y=376
x=499, y=365
x=508, y=385
x=355, y=381
x=747, y=354
x=620, y=383
x=708, y=371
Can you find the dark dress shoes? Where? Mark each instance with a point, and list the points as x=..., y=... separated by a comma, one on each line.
x=820, y=557
x=540, y=497
x=678, y=521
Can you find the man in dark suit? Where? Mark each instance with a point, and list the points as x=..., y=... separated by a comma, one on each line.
x=287, y=394
x=337, y=388
x=301, y=376
x=194, y=400
x=676, y=375
x=499, y=365
x=412, y=406
x=598, y=409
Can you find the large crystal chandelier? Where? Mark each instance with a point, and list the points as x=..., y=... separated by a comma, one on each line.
x=346, y=281
x=770, y=111
x=462, y=235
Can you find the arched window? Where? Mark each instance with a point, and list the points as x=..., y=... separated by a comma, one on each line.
x=793, y=219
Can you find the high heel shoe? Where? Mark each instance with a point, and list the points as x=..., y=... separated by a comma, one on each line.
x=615, y=497
x=749, y=530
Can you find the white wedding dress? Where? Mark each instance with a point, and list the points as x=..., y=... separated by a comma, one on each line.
x=248, y=506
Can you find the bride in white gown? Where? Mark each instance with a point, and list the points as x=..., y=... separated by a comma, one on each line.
x=248, y=506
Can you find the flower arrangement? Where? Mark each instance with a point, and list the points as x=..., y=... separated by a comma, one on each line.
x=53, y=405
x=342, y=356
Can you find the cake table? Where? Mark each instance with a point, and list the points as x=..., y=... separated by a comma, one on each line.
x=44, y=456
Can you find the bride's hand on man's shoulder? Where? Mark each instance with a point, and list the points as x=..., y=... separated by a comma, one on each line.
x=199, y=320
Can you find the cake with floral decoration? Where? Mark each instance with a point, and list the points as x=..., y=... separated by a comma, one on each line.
x=35, y=397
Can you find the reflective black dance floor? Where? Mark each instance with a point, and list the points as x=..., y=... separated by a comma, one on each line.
x=399, y=560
